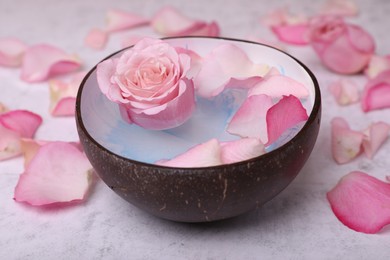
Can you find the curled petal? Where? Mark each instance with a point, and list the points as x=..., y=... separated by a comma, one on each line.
x=340, y=8
x=96, y=39
x=59, y=172
x=11, y=52
x=241, y=150
x=278, y=121
x=202, y=155
x=345, y=92
x=361, y=202
x=374, y=137
x=346, y=143
x=118, y=20
x=250, y=118
x=23, y=122
x=292, y=34
x=376, y=94
x=44, y=61
x=377, y=65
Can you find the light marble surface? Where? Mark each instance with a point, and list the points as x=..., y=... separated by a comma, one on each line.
x=297, y=224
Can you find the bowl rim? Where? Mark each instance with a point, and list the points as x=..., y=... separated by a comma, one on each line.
x=312, y=117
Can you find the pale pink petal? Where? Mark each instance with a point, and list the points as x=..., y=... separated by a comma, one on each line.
x=250, y=118
x=340, y=8
x=118, y=20
x=278, y=86
x=376, y=94
x=241, y=150
x=3, y=108
x=202, y=155
x=223, y=63
x=11, y=52
x=282, y=16
x=23, y=122
x=292, y=34
x=374, y=137
x=58, y=173
x=44, y=61
x=279, y=120
x=208, y=29
x=377, y=65
x=346, y=143
x=361, y=202
x=96, y=39
x=9, y=143
x=345, y=91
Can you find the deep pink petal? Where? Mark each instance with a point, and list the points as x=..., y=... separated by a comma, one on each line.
x=11, y=52
x=345, y=91
x=346, y=143
x=59, y=172
x=361, y=202
x=292, y=34
x=118, y=20
x=65, y=107
x=241, y=150
x=23, y=122
x=374, y=138
x=202, y=155
x=377, y=65
x=250, y=118
x=340, y=8
x=360, y=39
x=96, y=39
x=43, y=61
x=376, y=94
x=279, y=120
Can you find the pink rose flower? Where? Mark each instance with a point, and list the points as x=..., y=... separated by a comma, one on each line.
x=342, y=47
x=150, y=84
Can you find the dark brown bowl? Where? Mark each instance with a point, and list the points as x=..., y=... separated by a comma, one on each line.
x=199, y=194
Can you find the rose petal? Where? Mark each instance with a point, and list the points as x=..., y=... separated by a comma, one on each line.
x=250, y=118
x=279, y=121
x=96, y=39
x=376, y=94
x=118, y=20
x=59, y=172
x=23, y=122
x=208, y=29
x=241, y=150
x=377, y=65
x=11, y=52
x=3, y=108
x=374, y=137
x=9, y=143
x=292, y=34
x=282, y=16
x=345, y=91
x=361, y=202
x=202, y=155
x=223, y=63
x=340, y=8
x=44, y=61
x=278, y=86
x=346, y=143
x=131, y=40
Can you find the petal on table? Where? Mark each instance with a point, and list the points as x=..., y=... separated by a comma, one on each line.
x=241, y=150
x=59, y=172
x=345, y=91
x=376, y=94
x=292, y=34
x=44, y=61
x=278, y=121
x=375, y=136
x=250, y=118
x=346, y=143
x=11, y=52
x=208, y=29
x=23, y=122
x=340, y=8
x=361, y=202
x=377, y=65
x=9, y=143
x=96, y=39
x=118, y=20
x=202, y=155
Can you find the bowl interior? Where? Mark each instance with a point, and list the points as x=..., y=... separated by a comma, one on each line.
x=101, y=117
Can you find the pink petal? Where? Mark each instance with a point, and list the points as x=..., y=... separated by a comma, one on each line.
x=376, y=94
x=345, y=91
x=374, y=137
x=44, y=61
x=346, y=143
x=9, y=143
x=3, y=108
x=202, y=155
x=278, y=86
x=96, y=39
x=208, y=29
x=241, y=150
x=340, y=8
x=282, y=16
x=11, y=52
x=223, y=63
x=279, y=121
x=292, y=34
x=118, y=20
x=131, y=40
x=361, y=202
x=23, y=122
x=250, y=118
x=58, y=173
x=377, y=65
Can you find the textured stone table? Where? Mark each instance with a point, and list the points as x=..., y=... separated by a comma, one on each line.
x=297, y=224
